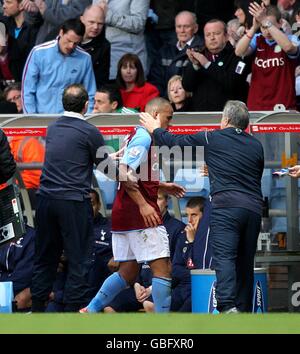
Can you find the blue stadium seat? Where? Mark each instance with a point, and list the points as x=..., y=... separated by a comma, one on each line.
x=107, y=187
x=195, y=185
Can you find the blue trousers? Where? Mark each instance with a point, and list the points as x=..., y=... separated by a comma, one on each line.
x=234, y=233
x=62, y=225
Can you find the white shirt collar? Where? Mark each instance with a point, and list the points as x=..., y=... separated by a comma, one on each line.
x=187, y=43
x=73, y=115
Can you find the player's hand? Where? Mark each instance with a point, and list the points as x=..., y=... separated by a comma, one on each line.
x=149, y=122
x=118, y=154
x=294, y=171
x=130, y=181
x=172, y=189
x=141, y=292
x=150, y=216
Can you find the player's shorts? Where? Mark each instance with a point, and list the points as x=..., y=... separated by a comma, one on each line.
x=143, y=245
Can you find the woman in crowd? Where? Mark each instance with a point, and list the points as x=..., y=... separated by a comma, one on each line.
x=135, y=91
x=179, y=98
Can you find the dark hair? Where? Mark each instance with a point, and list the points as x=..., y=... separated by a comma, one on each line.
x=74, y=98
x=113, y=94
x=196, y=202
x=74, y=24
x=244, y=5
x=96, y=194
x=131, y=59
x=11, y=87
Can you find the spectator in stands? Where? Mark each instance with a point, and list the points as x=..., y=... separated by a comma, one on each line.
x=147, y=219
x=21, y=36
x=193, y=250
x=12, y=93
x=95, y=43
x=64, y=215
x=235, y=163
x=215, y=74
x=16, y=265
x=108, y=100
x=179, y=98
x=242, y=14
x=275, y=56
x=125, y=24
x=160, y=26
x=6, y=75
x=135, y=91
x=287, y=8
x=54, y=13
x=7, y=162
x=172, y=58
x=232, y=30
x=137, y=296
x=53, y=66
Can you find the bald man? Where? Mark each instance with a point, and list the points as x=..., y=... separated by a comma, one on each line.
x=95, y=43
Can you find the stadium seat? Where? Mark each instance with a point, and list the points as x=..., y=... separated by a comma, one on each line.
x=107, y=187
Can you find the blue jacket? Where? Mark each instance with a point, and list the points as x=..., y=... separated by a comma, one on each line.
x=16, y=261
x=47, y=72
x=192, y=255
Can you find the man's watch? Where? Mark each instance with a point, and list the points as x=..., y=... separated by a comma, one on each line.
x=266, y=24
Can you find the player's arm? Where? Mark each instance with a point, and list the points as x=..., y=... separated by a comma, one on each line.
x=149, y=214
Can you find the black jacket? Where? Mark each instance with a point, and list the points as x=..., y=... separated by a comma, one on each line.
x=234, y=158
x=7, y=162
x=220, y=82
x=20, y=47
x=99, y=50
x=170, y=61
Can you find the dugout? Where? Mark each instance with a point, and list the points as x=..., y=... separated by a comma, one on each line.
x=279, y=132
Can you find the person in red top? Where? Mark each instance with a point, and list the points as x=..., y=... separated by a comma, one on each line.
x=275, y=56
x=135, y=91
x=138, y=233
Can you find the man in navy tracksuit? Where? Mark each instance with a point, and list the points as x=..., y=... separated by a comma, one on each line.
x=193, y=250
x=64, y=215
x=235, y=163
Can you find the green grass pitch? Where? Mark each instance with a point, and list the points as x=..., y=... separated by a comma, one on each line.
x=149, y=323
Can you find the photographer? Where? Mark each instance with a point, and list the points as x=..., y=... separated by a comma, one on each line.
x=214, y=74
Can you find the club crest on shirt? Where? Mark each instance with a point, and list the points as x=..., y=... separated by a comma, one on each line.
x=103, y=233
x=134, y=152
x=277, y=49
